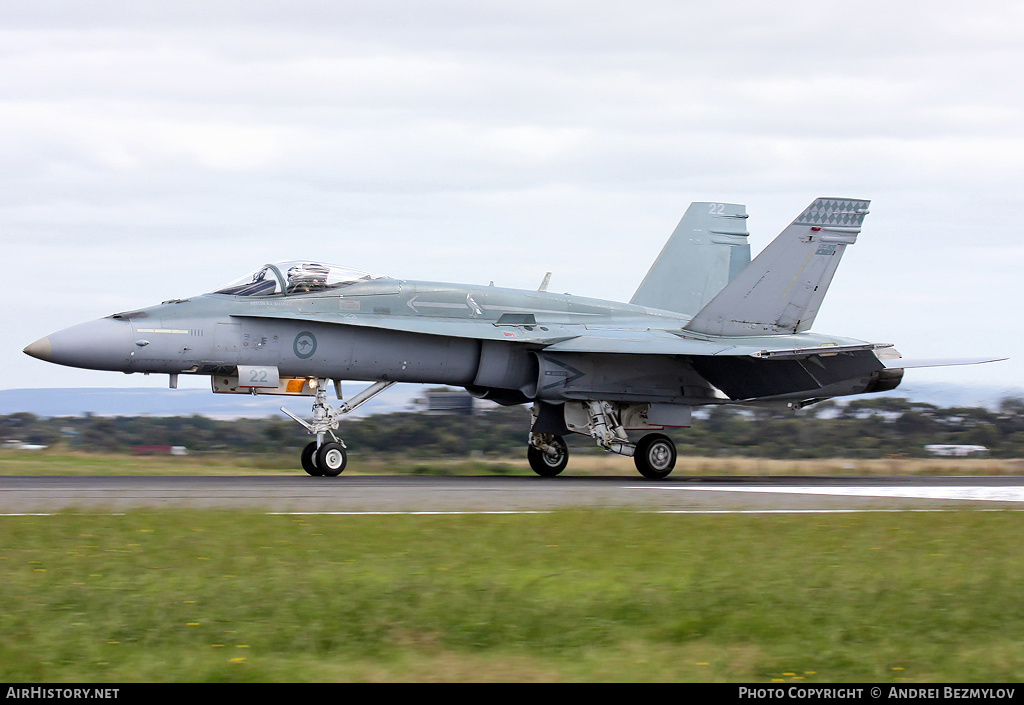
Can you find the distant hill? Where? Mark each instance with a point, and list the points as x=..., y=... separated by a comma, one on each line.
x=948, y=395
x=148, y=401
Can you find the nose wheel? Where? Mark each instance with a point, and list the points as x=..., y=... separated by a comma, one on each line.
x=331, y=459
x=309, y=460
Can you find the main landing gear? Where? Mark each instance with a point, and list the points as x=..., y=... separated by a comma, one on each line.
x=548, y=454
x=324, y=457
x=654, y=455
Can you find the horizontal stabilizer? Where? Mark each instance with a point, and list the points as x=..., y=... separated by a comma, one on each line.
x=900, y=363
x=781, y=290
x=707, y=249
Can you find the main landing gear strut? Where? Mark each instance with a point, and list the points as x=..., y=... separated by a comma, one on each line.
x=323, y=457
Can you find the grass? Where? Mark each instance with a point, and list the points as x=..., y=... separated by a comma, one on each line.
x=62, y=462
x=223, y=596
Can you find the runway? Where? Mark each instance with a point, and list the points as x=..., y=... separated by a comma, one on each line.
x=405, y=494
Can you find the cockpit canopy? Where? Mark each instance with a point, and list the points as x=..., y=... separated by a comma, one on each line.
x=295, y=277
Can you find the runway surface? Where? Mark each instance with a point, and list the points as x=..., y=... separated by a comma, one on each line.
x=404, y=494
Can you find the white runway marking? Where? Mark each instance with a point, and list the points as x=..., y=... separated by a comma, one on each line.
x=813, y=511
x=961, y=493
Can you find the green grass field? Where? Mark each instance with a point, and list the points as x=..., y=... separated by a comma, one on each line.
x=205, y=596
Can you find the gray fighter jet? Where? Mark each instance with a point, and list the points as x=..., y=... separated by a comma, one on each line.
x=706, y=326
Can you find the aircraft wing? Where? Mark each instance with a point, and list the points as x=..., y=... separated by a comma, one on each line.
x=636, y=341
x=577, y=338
x=742, y=367
x=595, y=339
x=452, y=327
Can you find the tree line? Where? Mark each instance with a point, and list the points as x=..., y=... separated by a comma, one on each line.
x=862, y=428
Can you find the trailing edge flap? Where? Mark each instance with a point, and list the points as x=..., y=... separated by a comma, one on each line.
x=659, y=342
x=823, y=350
x=705, y=251
x=781, y=290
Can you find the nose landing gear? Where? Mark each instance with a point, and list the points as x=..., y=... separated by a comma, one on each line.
x=329, y=458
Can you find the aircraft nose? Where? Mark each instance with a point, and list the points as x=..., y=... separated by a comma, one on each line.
x=105, y=344
x=41, y=349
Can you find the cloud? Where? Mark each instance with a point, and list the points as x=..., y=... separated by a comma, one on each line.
x=153, y=150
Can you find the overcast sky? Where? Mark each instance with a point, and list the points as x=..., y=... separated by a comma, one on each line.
x=153, y=150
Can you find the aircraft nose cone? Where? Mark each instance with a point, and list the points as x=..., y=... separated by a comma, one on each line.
x=105, y=344
x=41, y=349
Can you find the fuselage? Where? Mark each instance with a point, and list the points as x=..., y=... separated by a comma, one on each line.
x=491, y=340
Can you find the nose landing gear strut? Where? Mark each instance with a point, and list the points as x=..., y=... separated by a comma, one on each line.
x=323, y=457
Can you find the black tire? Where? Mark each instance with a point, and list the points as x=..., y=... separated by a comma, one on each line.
x=331, y=459
x=655, y=456
x=546, y=464
x=309, y=460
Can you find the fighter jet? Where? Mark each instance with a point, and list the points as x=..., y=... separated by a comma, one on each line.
x=706, y=326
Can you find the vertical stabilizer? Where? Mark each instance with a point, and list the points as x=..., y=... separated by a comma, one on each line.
x=782, y=289
x=707, y=249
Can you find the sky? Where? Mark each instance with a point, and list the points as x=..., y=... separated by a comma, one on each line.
x=153, y=150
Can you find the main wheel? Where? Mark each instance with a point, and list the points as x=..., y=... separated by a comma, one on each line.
x=331, y=459
x=548, y=463
x=309, y=460
x=655, y=456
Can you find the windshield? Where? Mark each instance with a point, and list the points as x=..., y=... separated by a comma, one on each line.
x=295, y=277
